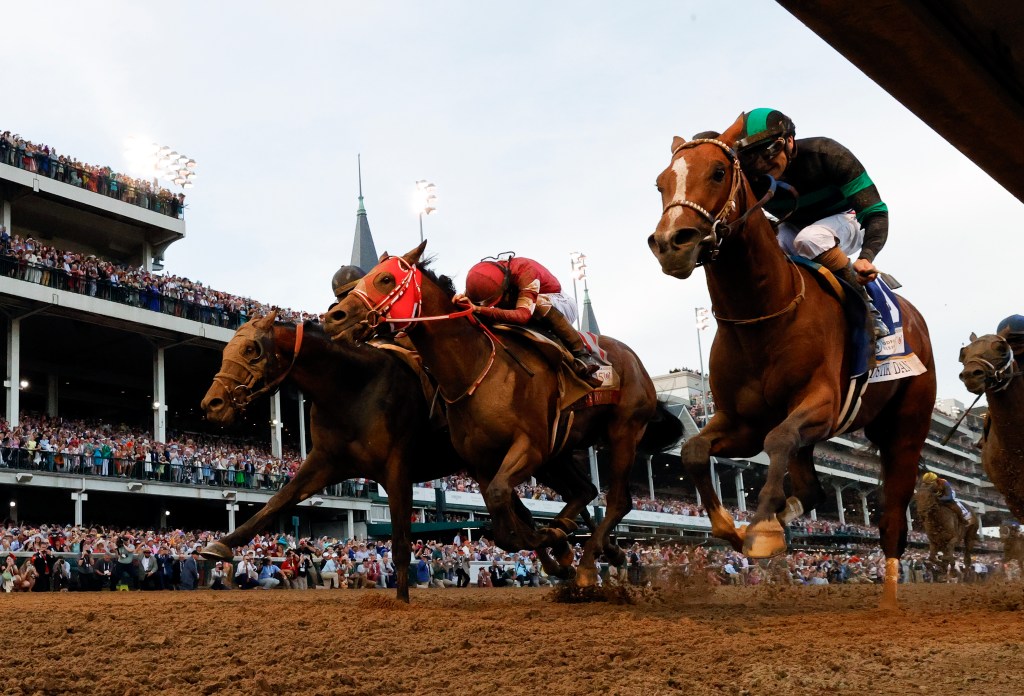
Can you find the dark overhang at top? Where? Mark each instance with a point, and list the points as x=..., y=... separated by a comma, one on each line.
x=957, y=64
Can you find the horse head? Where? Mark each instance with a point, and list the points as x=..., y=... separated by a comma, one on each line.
x=699, y=191
x=249, y=360
x=988, y=364
x=389, y=291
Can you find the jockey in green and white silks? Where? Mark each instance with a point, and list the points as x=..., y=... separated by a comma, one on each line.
x=839, y=211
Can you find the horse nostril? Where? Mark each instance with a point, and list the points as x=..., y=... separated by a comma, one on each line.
x=652, y=243
x=681, y=237
x=337, y=315
x=214, y=404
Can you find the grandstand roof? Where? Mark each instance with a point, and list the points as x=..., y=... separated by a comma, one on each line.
x=957, y=64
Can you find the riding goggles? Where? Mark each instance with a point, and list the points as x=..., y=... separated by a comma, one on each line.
x=763, y=152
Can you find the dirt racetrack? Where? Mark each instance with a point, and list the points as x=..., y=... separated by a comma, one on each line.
x=765, y=640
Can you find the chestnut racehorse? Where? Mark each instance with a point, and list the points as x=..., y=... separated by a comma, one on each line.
x=779, y=366
x=502, y=409
x=990, y=368
x=369, y=419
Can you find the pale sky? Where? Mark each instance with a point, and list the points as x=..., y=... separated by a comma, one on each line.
x=542, y=124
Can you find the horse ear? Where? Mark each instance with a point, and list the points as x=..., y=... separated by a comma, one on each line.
x=974, y=336
x=677, y=143
x=963, y=354
x=384, y=257
x=267, y=322
x=731, y=134
x=413, y=256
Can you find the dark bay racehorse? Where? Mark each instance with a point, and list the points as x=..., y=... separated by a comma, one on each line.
x=368, y=420
x=990, y=368
x=946, y=530
x=779, y=369
x=501, y=417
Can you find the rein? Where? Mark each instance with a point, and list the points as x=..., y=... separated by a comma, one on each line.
x=242, y=395
x=721, y=228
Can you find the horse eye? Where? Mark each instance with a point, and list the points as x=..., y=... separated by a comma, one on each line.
x=718, y=175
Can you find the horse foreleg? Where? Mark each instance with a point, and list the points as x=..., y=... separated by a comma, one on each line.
x=809, y=422
x=720, y=436
x=315, y=474
x=807, y=491
x=399, y=489
x=521, y=460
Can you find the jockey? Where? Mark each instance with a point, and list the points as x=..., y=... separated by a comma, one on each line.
x=346, y=278
x=1012, y=329
x=839, y=210
x=519, y=289
x=944, y=494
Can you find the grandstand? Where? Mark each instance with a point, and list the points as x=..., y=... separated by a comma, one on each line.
x=99, y=339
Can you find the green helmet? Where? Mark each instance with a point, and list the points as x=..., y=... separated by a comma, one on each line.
x=345, y=278
x=760, y=125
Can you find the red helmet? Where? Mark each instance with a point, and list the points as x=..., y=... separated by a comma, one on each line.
x=485, y=283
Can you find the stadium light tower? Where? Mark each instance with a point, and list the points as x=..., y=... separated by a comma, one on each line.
x=426, y=201
x=703, y=321
x=151, y=160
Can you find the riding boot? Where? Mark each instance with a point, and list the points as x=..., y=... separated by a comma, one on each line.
x=839, y=263
x=878, y=326
x=583, y=362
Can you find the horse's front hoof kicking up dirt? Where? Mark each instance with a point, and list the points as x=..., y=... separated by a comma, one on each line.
x=764, y=539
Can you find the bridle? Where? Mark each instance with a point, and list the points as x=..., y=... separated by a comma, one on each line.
x=409, y=280
x=998, y=379
x=241, y=394
x=720, y=226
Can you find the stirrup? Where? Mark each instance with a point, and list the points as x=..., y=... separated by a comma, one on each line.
x=585, y=370
x=877, y=325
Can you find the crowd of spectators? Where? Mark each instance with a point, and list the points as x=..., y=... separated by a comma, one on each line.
x=56, y=558
x=44, y=160
x=27, y=259
x=93, y=448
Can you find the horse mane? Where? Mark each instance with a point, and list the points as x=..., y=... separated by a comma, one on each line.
x=444, y=282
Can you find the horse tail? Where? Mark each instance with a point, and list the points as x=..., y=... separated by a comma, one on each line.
x=663, y=431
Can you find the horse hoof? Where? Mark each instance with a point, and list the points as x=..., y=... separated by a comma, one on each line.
x=764, y=540
x=586, y=577
x=216, y=551
x=563, y=553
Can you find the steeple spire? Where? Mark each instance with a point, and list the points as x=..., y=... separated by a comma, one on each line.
x=589, y=321
x=364, y=253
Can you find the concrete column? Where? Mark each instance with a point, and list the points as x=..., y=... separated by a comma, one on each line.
x=79, y=497
x=839, y=503
x=814, y=515
x=302, y=426
x=741, y=493
x=51, y=395
x=232, y=508
x=716, y=482
x=159, y=396
x=650, y=477
x=910, y=519
x=275, y=425
x=699, y=501
x=593, y=470
x=350, y=523
x=5, y=216
x=13, y=382
x=864, y=507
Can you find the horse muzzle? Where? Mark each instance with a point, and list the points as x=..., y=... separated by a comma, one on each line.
x=218, y=406
x=679, y=250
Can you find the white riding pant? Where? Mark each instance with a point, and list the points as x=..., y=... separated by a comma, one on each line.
x=817, y=238
x=564, y=304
